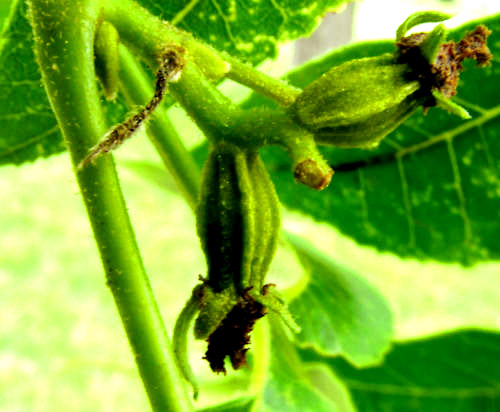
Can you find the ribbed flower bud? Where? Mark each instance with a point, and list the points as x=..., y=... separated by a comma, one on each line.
x=357, y=103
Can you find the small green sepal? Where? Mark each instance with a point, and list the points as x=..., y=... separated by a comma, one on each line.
x=430, y=46
x=450, y=106
x=213, y=308
x=419, y=18
x=180, y=340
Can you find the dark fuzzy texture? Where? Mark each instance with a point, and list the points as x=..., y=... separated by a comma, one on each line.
x=443, y=74
x=449, y=60
x=171, y=63
x=233, y=334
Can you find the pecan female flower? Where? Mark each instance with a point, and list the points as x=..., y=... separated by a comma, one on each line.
x=359, y=102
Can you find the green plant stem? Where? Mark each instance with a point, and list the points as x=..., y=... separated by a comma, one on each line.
x=278, y=90
x=137, y=88
x=64, y=33
x=147, y=36
x=209, y=108
x=213, y=112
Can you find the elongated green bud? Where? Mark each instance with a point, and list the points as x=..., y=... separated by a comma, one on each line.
x=226, y=218
x=226, y=227
x=107, y=59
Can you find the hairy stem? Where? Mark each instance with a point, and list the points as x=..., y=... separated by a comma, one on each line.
x=278, y=90
x=64, y=34
x=147, y=35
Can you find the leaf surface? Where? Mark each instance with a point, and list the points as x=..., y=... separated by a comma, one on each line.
x=288, y=388
x=431, y=190
x=250, y=30
x=338, y=312
x=29, y=129
x=452, y=372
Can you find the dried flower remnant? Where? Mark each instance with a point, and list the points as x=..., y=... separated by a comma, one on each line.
x=233, y=334
x=442, y=74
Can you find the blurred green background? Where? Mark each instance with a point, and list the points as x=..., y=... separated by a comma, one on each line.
x=62, y=346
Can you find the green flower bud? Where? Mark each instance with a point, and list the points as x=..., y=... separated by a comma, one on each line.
x=358, y=103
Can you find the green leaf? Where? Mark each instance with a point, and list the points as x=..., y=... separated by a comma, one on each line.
x=237, y=405
x=452, y=372
x=250, y=30
x=288, y=388
x=339, y=313
x=431, y=190
x=29, y=128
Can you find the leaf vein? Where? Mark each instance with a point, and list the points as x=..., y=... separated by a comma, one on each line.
x=184, y=12
x=226, y=22
x=407, y=203
x=282, y=12
x=460, y=193
x=422, y=392
x=450, y=134
x=28, y=142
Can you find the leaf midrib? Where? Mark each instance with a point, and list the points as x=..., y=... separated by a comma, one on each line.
x=422, y=392
x=450, y=134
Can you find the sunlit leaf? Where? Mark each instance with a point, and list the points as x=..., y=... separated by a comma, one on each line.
x=250, y=30
x=288, y=388
x=338, y=312
x=452, y=372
